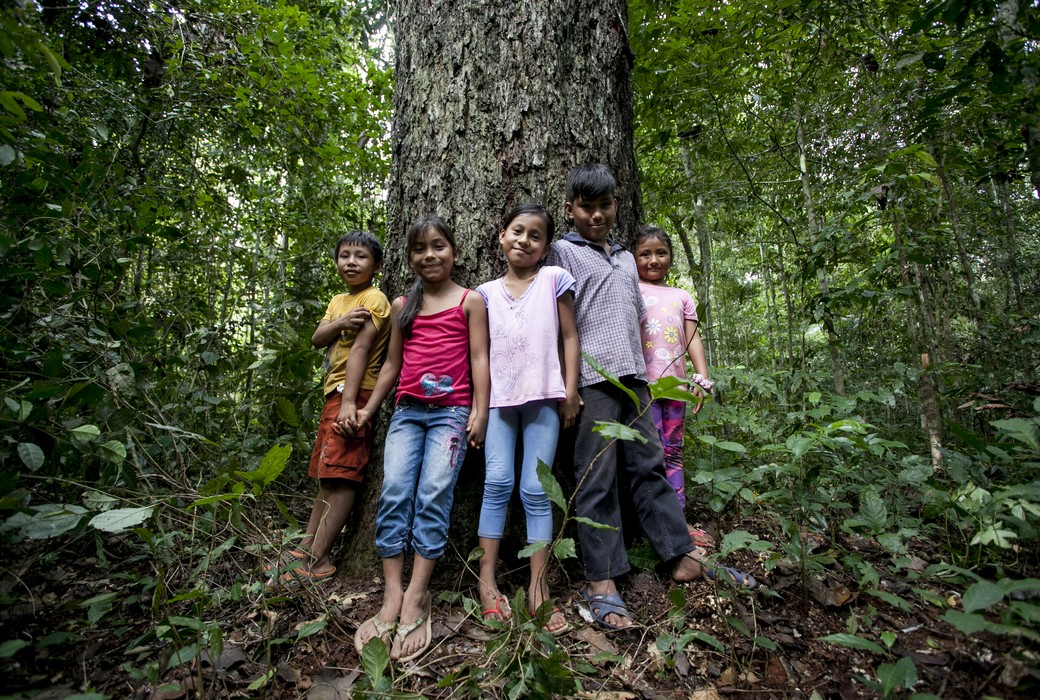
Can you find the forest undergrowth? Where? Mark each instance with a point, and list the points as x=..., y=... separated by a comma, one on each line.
x=882, y=576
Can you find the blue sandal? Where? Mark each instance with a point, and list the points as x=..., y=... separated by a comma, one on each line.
x=736, y=577
x=603, y=604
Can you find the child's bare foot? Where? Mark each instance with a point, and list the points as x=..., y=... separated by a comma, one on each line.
x=493, y=604
x=688, y=566
x=538, y=594
x=414, y=631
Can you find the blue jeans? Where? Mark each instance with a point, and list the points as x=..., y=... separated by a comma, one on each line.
x=539, y=423
x=424, y=449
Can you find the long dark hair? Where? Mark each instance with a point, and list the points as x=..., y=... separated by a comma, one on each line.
x=535, y=210
x=414, y=296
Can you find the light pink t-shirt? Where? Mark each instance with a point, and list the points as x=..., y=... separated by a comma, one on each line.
x=525, y=356
x=664, y=335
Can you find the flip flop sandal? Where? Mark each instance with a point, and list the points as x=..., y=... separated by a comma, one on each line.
x=603, y=604
x=404, y=630
x=503, y=615
x=735, y=577
x=382, y=630
x=285, y=558
x=700, y=537
x=296, y=579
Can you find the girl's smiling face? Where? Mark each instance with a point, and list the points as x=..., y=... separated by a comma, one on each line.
x=432, y=256
x=653, y=258
x=524, y=241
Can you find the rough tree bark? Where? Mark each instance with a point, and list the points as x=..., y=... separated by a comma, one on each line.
x=493, y=105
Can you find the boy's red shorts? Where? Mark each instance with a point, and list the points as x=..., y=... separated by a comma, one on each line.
x=337, y=456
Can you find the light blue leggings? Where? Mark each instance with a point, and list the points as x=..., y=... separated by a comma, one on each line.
x=539, y=424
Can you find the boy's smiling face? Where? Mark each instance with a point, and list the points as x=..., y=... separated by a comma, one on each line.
x=356, y=266
x=593, y=217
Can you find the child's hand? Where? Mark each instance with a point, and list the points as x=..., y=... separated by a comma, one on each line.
x=699, y=393
x=353, y=320
x=475, y=427
x=568, y=409
x=361, y=417
x=346, y=420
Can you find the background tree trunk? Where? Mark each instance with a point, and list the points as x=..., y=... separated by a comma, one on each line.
x=493, y=105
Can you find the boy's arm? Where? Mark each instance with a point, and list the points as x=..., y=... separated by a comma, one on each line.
x=390, y=370
x=327, y=331
x=695, y=349
x=571, y=358
x=357, y=363
x=480, y=373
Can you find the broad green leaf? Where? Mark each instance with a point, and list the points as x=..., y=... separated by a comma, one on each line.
x=610, y=377
x=7, y=154
x=966, y=623
x=287, y=412
x=31, y=455
x=741, y=539
x=85, y=433
x=1021, y=429
x=901, y=674
x=183, y=655
x=51, y=520
x=121, y=519
x=853, y=642
x=375, y=658
x=550, y=485
x=982, y=595
x=670, y=388
x=872, y=510
x=730, y=446
x=271, y=466
x=617, y=431
x=564, y=548
x=994, y=535
x=114, y=451
x=531, y=549
x=12, y=647
x=312, y=627
x=708, y=639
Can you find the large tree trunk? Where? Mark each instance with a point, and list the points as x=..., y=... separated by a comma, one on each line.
x=493, y=105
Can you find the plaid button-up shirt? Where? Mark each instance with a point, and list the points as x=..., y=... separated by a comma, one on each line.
x=608, y=307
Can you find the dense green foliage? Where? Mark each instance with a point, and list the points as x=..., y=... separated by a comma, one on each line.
x=854, y=183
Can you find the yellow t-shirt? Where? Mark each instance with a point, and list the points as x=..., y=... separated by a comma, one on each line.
x=338, y=351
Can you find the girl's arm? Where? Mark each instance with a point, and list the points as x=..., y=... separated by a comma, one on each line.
x=571, y=357
x=328, y=331
x=695, y=349
x=480, y=374
x=357, y=363
x=390, y=370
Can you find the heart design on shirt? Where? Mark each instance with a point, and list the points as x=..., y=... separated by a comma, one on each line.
x=436, y=386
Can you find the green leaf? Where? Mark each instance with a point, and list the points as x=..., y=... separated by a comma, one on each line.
x=7, y=154
x=966, y=623
x=564, y=548
x=610, y=377
x=121, y=519
x=669, y=388
x=271, y=466
x=51, y=520
x=711, y=641
x=853, y=642
x=617, y=431
x=550, y=485
x=183, y=655
x=982, y=595
x=741, y=539
x=114, y=451
x=12, y=647
x=287, y=412
x=730, y=446
x=872, y=511
x=85, y=433
x=375, y=658
x=31, y=455
x=901, y=674
x=531, y=549
x=593, y=523
x=1021, y=429
x=312, y=627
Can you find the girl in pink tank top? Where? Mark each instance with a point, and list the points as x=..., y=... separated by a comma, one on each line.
x=439, y=353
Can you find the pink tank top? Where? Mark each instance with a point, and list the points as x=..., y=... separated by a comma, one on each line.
x=435, y=360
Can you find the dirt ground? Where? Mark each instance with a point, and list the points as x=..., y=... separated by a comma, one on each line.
x=75, y=644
